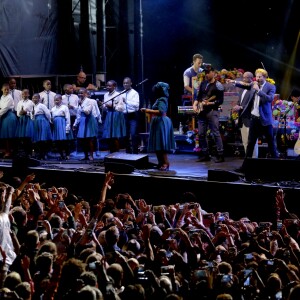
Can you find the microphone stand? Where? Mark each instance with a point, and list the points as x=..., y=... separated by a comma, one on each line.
x=112, y=107
x=144, y=104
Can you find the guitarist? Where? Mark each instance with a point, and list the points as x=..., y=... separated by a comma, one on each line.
x=209, y=98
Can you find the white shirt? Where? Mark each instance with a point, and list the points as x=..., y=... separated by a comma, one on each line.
x=41, y=109
x=85, y=106
x=255, y=109
x=96, y=111
x=17, y=97
x=26, y=105
x=62, y=111
x=108, y=96
x=44, y=98
x=132, y=101
x=243, y=95
x=73, y=100
x=6, y=104
x=5, y=238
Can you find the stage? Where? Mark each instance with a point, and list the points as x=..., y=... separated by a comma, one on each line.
x=217, y=186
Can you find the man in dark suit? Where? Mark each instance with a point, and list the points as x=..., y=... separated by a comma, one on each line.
x=244, y=107
x=261, y=123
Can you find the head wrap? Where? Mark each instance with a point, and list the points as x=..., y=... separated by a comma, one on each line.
x=165, y=87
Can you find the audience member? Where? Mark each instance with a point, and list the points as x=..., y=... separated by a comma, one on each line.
x=224, y=259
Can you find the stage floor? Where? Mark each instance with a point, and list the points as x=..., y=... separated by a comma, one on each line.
x=182, y=165
x=216, y=185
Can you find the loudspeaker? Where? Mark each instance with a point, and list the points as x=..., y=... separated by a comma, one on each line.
x=21, y=163
x=138, y=161
x=271, y=169
x=119, y=168
x=222, y=176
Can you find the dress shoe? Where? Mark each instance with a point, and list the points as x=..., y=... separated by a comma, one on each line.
x=204, y=158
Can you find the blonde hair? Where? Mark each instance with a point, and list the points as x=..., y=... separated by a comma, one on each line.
x=262, y=71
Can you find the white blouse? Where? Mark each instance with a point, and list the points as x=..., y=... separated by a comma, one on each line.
x=6, y=104
x=27, y=105
x=61, y=111
x=86, y=107
x=41, y=109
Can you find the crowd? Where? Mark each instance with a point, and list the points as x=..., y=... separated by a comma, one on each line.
x=57, y=245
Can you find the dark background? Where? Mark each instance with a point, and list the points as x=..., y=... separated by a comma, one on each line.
x=147, y=39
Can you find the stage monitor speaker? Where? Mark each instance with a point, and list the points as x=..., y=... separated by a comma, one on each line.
x=138, y=161
x=20, y=164
x=118, y=168
x=271, y=169
x=222, y=176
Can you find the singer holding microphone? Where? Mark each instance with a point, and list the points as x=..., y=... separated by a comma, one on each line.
x=261, y=122
x=131, y=99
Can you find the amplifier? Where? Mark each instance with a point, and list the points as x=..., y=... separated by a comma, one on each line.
x=97, y=94
x=185, y=110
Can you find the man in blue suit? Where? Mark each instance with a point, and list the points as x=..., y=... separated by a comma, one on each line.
x=261, y=113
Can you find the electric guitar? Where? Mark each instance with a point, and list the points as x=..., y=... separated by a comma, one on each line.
x=297, y=145
x=201, y=106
